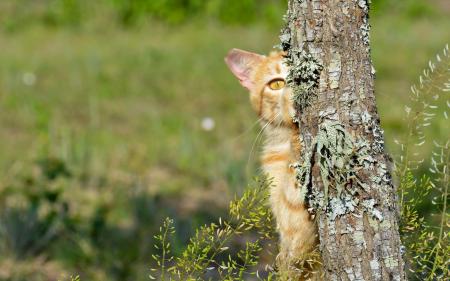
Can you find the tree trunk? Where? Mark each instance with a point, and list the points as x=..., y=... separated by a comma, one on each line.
x=343, y=168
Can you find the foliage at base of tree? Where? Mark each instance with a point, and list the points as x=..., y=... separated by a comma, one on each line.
x=208, y=253
x=427, y=248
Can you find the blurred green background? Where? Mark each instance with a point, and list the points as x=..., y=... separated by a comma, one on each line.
x=117, y=113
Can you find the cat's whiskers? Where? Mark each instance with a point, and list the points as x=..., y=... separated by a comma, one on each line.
x=280, y=122
x=298, y=234
x=244, y=133
x=257, y=139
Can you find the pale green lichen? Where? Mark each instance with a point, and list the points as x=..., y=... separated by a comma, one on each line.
x=370, y=207
x=340, y=159
x=285, y=33
x=303, y=77
x=304, y=67
x=374, y=224
x=334, y=71
x=285, y=40
x=359, y=237
x=385, y=225
x=342, y=205
x=365, y=27
x=375, y=266
x=329, y=113
x=390, y=262
x=372, y=125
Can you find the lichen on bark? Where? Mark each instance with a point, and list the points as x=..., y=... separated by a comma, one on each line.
x=343, y=170
x=303, y=76
x=340, y=160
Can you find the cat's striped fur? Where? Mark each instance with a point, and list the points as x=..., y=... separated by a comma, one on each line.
x=298, y=235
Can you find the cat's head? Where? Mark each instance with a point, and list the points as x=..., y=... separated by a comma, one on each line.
x=265, y=78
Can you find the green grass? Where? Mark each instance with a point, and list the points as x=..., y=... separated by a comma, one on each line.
x=122, y=109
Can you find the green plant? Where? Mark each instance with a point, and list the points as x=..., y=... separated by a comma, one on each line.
x=208, y=252
x=427, y=246
x=28, y=228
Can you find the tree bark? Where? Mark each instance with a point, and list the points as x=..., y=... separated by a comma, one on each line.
x=343, y=169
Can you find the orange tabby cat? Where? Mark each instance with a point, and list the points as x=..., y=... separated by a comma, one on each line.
x=264, y=77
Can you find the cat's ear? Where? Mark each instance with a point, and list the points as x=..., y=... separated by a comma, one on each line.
x=241, y=64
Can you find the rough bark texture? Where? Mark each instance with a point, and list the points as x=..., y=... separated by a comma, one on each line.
x=343, y=168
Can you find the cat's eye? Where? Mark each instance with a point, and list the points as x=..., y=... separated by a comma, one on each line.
x=277, y=84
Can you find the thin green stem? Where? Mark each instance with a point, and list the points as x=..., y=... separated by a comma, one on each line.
x=445, y=181
x=163, y=243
